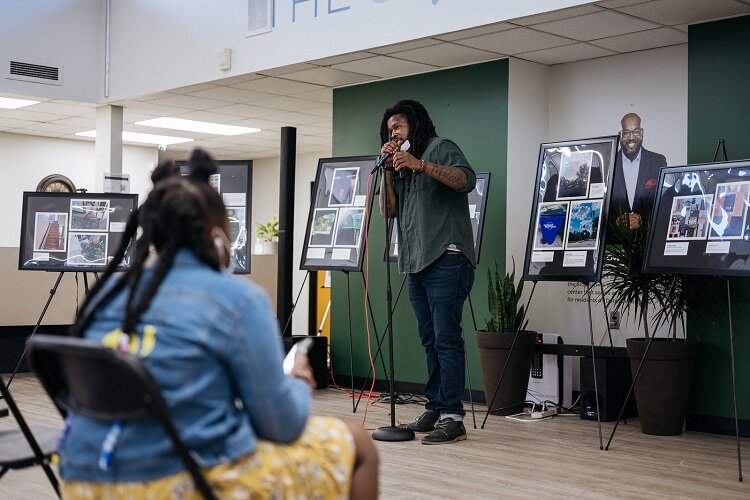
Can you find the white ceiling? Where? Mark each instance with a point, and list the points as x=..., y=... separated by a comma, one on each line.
x=300, y=95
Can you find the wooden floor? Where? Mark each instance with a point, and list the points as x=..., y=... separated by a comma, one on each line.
x=555, y=457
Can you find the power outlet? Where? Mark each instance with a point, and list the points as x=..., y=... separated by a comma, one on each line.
x=614, y=320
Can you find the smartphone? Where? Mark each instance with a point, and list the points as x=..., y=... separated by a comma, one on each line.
x=302, y=346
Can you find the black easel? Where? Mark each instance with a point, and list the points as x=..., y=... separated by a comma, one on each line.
x=593, y=364
x=734, y=381
x=507, y=360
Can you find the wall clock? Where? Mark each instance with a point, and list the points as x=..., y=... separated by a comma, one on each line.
x=56, y=183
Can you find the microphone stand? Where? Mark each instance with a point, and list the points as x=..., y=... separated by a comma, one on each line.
x=391, y=432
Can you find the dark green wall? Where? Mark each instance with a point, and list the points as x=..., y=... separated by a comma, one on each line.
x=468, y=105
x=719, y=108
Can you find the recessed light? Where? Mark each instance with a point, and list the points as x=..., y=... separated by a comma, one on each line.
x=197, y=126
x=165, y=140
x=10, y=103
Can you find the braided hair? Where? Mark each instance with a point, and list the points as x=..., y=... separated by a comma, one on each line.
x=421, y=128
x=180, y=212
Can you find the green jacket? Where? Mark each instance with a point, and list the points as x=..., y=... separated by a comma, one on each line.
x=432, y=216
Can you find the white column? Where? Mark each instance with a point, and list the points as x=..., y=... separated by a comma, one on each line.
x=108, y=143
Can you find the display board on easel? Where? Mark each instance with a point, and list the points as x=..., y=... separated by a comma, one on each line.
x=77, y=232
x=335, y=234
x=569, y=212
x=477, y=205
x=700, y=222
x=235, y=183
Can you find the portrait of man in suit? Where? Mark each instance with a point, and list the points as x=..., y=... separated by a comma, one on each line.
x=636, y=176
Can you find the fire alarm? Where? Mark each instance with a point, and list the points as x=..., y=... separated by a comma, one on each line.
x=224, y=57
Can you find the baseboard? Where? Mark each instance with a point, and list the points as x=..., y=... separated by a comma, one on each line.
x=716, y=425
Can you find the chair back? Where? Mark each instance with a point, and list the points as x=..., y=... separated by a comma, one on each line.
x=86, y=378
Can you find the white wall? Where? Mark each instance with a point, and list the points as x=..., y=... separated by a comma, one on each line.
x=587, y=99
x=266, y=174
x=175, y=42
x=63, y=33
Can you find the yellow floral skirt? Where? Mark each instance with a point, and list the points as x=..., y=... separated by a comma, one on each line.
x=317, y=465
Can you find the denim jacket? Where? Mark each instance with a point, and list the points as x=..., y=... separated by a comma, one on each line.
x=212, y=344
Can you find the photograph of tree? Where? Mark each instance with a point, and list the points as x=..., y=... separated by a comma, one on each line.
x=583, y=228
x=343, y=187
x=50, y=229
x=87, y=249
x=689, y=217
x=575, y=169
x=321, y=232
x=89, y=215
x=729, y=211
x=550, y=226
x=349, y=227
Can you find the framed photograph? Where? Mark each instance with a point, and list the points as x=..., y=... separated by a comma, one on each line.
x=550, y=226
x=234, y=183
x=343, y=187
x=338, y=215
x=575, y=174
x=690, y=217
x=89, y=215
x=50, y=231
x=321, y=232
x=87, y=249
x=570, y=200
x=729, y=211
x=583, y=227
x=48, y=241
x=699, y=223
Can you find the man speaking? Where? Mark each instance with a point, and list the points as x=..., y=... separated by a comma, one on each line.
x=427, y=189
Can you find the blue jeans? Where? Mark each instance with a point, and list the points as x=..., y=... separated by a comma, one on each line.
x=437, y=295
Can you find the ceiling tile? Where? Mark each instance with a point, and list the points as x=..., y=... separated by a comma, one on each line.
x=593, y=26
x=194, y=88
x=613, y=4
x=233, y=80
x=681, y=27
x=243, y=110
x=554, y=16
x=325, y=112
x=286, y=103
x=231, y=94
x=481, y=30
x=9, y=123
x=400, y=47
x=153, y=109
x=292, y=118
x=330, y=61
x=278, y=86
x=515, y=41
x=643, y=40
x=312, y=130
x=154, y=96
x=292, y=68
x=55, y=128
x=569, y=53
x=671, y=12
x=328, y=76
x=446, y=55
x=61, y=109
x=323, y=95
x=261, y=123
x=188, y=102
x=39, y=133
x=384, y=67
x=77, y=121
x=207, y=116
x=31, y=116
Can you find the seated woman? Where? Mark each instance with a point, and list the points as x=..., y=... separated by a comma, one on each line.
x=212, y=344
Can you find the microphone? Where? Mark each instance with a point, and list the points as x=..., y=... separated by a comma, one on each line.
x=382, y=158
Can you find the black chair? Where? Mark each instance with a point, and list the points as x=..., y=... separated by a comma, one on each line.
x=79, y=376
x=26, y=446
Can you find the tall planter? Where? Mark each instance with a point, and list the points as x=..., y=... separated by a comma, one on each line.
x=663, y=385
x=494, y=349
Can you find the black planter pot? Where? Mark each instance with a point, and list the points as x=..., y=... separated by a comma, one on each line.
x=663, y=386
x=493, y=350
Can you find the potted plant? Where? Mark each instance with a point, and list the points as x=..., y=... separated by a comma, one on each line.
x=662, y=300
x=504, y=341
x=267, y=237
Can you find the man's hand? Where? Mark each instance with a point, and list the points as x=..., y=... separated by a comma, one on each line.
x=391, y=147
x=632, y=219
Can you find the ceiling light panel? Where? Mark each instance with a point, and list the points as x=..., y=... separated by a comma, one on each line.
x=10, y=103
x=197, y=126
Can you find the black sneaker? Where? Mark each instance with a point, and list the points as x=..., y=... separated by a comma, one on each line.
x=446, y=431
x=424, y=423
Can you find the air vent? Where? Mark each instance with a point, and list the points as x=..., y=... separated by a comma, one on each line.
x=30, y=72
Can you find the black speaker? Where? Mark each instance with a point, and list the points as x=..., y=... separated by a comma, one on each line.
x=613, y=379
x=318, y=356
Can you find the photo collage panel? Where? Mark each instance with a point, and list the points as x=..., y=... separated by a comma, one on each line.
x=729, y=213
x=689, y=217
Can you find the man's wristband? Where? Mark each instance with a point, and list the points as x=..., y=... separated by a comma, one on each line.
x=422, y=164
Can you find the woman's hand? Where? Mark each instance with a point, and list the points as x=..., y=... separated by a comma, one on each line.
x=303, y=371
